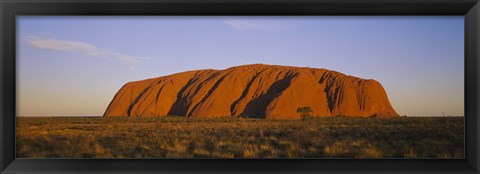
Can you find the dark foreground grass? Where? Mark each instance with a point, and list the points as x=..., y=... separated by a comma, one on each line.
x=177, y=137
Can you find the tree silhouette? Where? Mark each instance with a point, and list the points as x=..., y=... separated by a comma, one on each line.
x=304, y=112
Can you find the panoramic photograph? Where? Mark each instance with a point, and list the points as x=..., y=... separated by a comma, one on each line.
x=240, y=87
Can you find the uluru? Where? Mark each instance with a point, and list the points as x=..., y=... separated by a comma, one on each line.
x=252, y=91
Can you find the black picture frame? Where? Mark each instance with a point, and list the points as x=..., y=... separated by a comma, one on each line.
x=9, y=9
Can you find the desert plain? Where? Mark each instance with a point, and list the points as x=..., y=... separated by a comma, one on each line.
x=229, y=137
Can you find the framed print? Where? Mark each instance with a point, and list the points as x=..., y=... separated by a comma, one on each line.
x=251, y=86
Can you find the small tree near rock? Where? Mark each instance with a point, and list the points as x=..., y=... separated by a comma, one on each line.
x=304, y=112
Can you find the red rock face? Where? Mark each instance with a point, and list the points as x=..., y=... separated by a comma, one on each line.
x=255, y=91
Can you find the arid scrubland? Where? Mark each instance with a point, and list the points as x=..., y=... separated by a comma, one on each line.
x=180, y=137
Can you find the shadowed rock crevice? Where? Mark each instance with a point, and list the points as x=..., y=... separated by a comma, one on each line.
x=208, y=94
x=130, y=108
x=245, y=92
x=179, y=106
x=257, y=107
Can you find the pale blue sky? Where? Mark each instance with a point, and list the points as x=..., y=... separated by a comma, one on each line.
x=74, y=65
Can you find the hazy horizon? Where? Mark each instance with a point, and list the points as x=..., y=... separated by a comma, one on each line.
x=73, y=66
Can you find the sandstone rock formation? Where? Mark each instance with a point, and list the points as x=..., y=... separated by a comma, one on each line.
x=255, y=91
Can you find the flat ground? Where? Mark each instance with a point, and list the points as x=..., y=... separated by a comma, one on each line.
x=178, y=137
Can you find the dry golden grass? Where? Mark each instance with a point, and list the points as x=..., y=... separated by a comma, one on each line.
x=178, y=137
